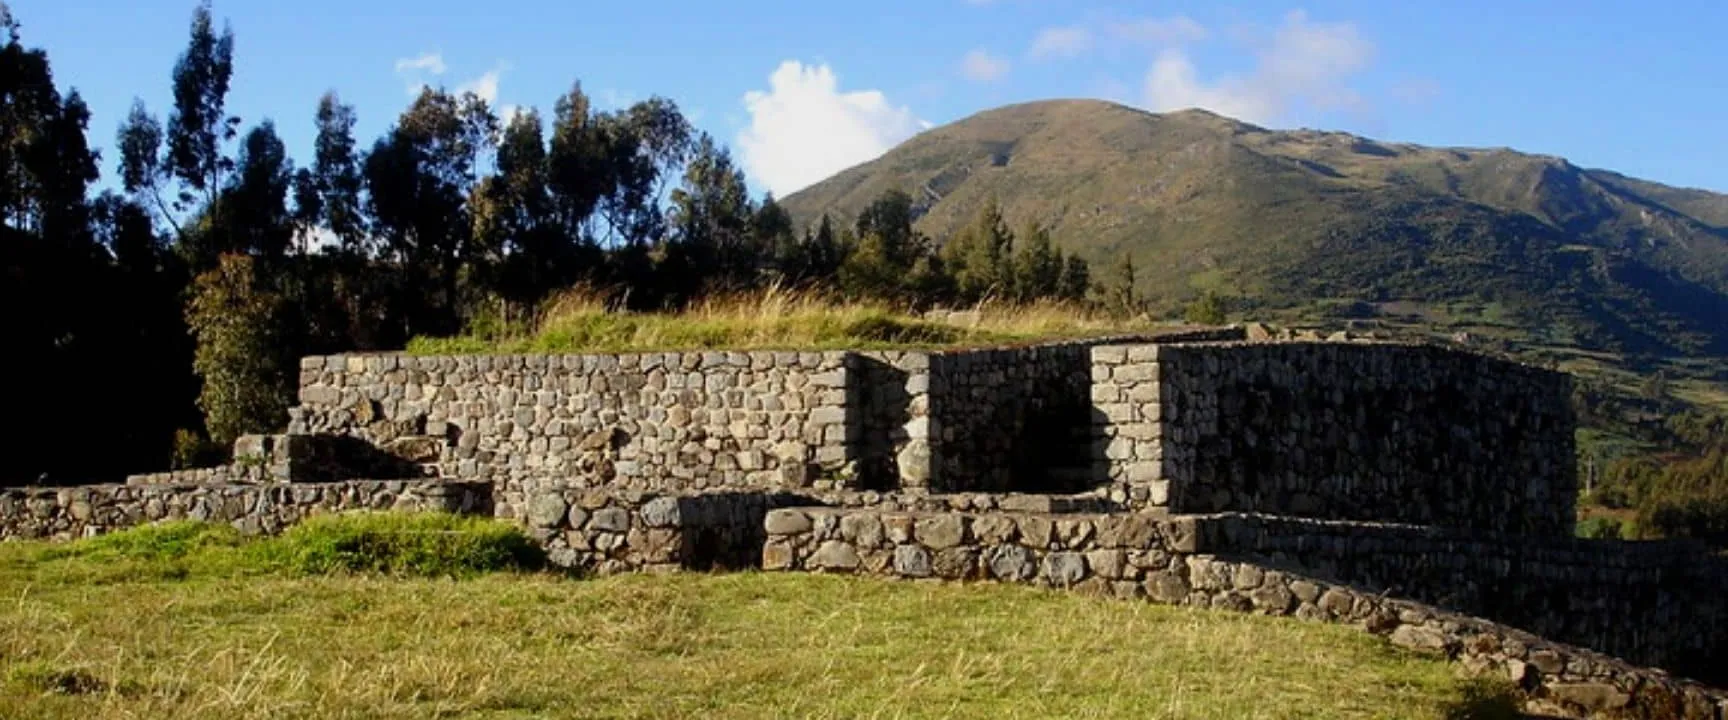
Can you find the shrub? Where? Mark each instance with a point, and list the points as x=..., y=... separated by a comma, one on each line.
x=247, y=385
x=424, y=544
x=1600, y=528
x=176, y=540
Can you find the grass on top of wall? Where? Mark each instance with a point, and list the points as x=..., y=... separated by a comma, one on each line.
x=225, y=639
x=773, y=318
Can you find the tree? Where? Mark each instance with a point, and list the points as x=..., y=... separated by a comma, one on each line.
x=773, y=238
x=1122, y=297
x=1038, y=265
x=870, y=272
x=889, y=219
x=644, y=146
x=336, y=176
x=246, y=383
x=46, y=165
x=420, y=176
x=518, y=220
x=1208, y=309
x=190, y=150
x=141, y=171
x=1076, y=279
x=254, y=216
x=710, y=219
x=198, y=126
x=824, y=251
x=980, y=256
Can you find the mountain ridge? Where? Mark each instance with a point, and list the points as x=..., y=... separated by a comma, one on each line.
x=1292, y=220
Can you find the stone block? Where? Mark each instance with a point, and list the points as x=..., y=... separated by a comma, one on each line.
x=787, y=521
x=942, y=531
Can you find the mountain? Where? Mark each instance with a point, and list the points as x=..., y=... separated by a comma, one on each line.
x=1310, y=223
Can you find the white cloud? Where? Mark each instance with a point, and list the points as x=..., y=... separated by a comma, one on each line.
x=1061, y=42
x=417, y=72
x=979, y=65
x=803, y=128
x=1173, y=30
x=1303, y=64
x=485, y=86
x=432, y=63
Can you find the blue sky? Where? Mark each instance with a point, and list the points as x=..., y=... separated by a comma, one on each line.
x=802, y=89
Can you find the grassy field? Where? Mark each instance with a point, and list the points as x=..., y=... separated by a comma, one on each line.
x=580, y=321
x=187, y=627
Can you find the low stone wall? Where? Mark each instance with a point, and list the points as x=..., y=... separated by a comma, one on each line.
x=74, y=512
x=1660, y=604
x=606, y=531
x=310, y=459
x=1377, y=432
x=649, y=421
x=1158, y=559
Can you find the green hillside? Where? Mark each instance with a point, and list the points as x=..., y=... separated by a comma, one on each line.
x=1299, y=223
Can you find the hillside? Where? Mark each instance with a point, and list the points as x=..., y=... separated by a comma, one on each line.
x=1310, y=224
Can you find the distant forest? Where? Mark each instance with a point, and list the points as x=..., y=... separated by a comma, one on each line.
x=143, y=322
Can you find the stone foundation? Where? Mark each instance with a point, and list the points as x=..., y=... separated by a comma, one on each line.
x=85, y=511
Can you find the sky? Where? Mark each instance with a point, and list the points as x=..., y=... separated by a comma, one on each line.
x=801, y=89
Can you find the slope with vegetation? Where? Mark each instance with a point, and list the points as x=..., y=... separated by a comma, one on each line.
x=188, y=620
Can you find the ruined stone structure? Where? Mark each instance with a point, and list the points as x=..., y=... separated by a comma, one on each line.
x=1423, y=493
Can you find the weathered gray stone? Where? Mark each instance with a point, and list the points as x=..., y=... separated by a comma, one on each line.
x=1590, y=696
x=610, y=519
x=1012, y=563
x=1064, y=568
x=912, y=561
x=942, y=531
x=661, y=512
x=1418, y=637
x=787, y=522
x=548, y=510
x=1166, y=587
x=835, y=555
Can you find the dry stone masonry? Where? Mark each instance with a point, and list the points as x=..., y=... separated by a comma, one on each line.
x=75, y=512
x=1422, y=493
x=1397, y=433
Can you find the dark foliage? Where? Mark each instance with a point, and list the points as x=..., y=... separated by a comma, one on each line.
x=164, y=321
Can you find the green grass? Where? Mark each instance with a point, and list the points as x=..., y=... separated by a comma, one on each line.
x=402, y=544
x=229, y=639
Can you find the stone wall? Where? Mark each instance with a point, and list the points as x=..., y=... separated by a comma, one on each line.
x=893, y=393
x=605, y=530
x=1398, y=433
x=74, y=512
x=1653, y=603
x=648, y=421
x=1011, y=419
x=1143, y=556
x=309, y=458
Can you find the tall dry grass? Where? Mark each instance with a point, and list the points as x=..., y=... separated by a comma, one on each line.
x=587, y=319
